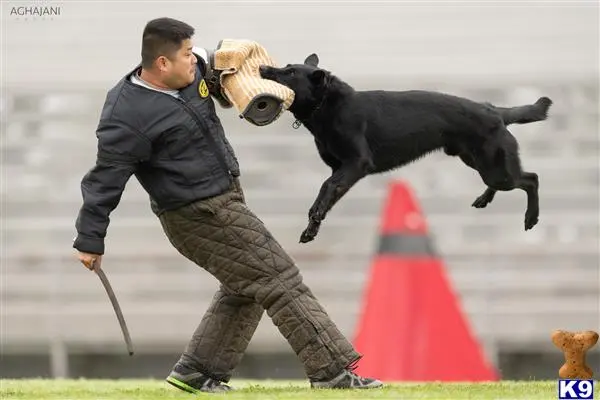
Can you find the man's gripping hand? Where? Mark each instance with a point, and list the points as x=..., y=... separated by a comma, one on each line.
x=90, y=260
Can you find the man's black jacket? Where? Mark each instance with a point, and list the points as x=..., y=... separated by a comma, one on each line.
x=176, y=148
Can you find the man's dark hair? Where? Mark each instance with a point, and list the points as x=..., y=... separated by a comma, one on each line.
x=163, y=37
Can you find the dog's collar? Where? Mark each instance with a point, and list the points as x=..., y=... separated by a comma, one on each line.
x=297, y=123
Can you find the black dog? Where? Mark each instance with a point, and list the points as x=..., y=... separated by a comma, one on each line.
x=358, y=133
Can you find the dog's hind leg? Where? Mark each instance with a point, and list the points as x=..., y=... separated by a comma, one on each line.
x=530, y=184
x=485, y=199
x=332, y=190
x=506, y=174
x=487, y=196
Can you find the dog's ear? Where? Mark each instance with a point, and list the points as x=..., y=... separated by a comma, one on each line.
x=317, y=76
x=312, y=60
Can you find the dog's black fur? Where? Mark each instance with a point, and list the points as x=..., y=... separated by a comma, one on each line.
x=358, y=133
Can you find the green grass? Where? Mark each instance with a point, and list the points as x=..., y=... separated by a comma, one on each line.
x=155, y=389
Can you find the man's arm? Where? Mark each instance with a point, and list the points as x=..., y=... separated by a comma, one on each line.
x=120, y=149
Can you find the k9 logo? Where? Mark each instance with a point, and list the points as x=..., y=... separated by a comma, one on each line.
x=575, y=389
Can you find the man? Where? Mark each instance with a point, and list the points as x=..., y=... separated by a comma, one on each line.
x=159, y=124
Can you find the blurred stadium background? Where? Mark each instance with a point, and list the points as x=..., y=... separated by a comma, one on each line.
x=515, y=286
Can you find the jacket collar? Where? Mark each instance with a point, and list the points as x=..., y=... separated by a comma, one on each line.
x=190, y=91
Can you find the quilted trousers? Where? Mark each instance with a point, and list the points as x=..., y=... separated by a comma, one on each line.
x=223, y=236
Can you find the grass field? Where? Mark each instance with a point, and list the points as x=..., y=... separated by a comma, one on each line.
x=154, y=390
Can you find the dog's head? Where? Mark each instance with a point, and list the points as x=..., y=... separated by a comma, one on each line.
x=306, y=80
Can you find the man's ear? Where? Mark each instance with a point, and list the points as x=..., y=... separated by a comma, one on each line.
x=317, y=76
x=161, y=63
x=312, y=60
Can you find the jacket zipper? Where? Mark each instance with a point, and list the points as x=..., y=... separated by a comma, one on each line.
x=208, y=135
x=200, y=125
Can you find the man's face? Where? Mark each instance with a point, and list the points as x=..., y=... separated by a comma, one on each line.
x=180, y=70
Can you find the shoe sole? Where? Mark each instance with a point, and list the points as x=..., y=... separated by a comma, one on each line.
x=372, y=385
x=182, y=386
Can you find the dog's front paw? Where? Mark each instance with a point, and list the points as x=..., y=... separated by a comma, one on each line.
x=531, y=219
x=314, y=213
x=310, y=232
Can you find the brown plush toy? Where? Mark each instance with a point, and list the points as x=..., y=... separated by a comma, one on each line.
x=574, y=345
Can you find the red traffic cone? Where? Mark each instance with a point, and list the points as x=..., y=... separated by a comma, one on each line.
x=412, y=327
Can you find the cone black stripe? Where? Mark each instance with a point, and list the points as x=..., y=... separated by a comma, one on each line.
x=400, y=244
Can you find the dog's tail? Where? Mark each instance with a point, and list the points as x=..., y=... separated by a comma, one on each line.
x=526, y=114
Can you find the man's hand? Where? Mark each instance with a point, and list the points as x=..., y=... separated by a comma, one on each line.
x=90, y=260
